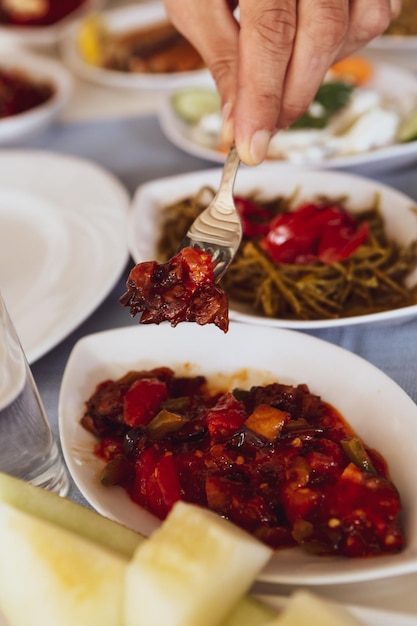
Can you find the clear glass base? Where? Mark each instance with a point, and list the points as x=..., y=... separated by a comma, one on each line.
x=55, y=479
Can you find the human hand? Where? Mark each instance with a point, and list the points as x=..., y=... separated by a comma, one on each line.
x=269, y=64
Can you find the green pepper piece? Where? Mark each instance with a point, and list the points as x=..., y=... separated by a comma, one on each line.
x=115, y=471
x=176, y=404
x=355, y=451
x=164, y=423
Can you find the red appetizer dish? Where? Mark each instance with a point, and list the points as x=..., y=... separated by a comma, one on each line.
x=180, y=290
x=20, y=93
x=276, y=460
x=36, y=12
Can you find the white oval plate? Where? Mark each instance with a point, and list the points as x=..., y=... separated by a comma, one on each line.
x=62, y=242
x=388, y=79
x=398, y=210
x=122, y=20
x=43, y=37
x=373, y=404
x=36, y=67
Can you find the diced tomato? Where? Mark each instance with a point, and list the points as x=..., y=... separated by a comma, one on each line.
x=156, y=484
x=199, y=265
x=226, y=417
x=168, y=482
x=299, y=502
x=142, y=401
x=108, y=448
x=237, y=502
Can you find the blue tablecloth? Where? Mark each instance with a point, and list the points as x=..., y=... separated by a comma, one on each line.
x=136, y=151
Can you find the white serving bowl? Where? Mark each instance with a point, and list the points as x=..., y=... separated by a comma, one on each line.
x=122, y=20
x=15, y=128
x=398, y=210
x=375, y=406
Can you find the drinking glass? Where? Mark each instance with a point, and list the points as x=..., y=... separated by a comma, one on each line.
x=28, y=449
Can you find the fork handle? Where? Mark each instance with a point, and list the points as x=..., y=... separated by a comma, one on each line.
x=224, y=195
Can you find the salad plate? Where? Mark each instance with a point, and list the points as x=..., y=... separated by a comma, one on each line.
x=398, y=210
x=37, y=69
x=376, y=407
x=62, y=242
x=122, y=20
x=396, y=86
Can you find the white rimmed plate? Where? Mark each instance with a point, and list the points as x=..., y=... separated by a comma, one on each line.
x=124, y=19
x=398, y=211
x=62, y=242
x=406, y=43
x=398, y=49
x=388, y=79
x=373, y=404
x=44, y=37
x=37, y=68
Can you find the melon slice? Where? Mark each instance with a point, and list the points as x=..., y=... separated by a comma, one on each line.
x=249, y=611
x=305, y=607
x=53, y=577
x=69, y=515
x=193, y=570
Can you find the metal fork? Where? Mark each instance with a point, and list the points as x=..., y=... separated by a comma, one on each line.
x=218, y=228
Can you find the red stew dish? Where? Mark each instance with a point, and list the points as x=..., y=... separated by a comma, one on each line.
x=20, y=93
x=180, y=290
x=276, y=460
x=36, y=12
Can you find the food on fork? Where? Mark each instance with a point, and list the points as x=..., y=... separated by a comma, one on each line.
x=181, y=290
x=276, y=460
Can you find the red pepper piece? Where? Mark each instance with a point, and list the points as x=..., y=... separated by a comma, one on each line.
x=255, y=219
x=337, y=244
x=324, y=232
x=142, y=401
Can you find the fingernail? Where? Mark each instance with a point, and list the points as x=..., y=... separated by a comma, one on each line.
x=256, y=150
x=227, y=124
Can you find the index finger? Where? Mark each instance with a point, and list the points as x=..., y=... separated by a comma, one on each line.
x=266, y=40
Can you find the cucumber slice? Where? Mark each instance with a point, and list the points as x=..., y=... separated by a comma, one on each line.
x=407, y=130
x=69, y=515
x=304, y=607
x=192, y=571
x=194, y=103
x=52, y=576
x=250, y=612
